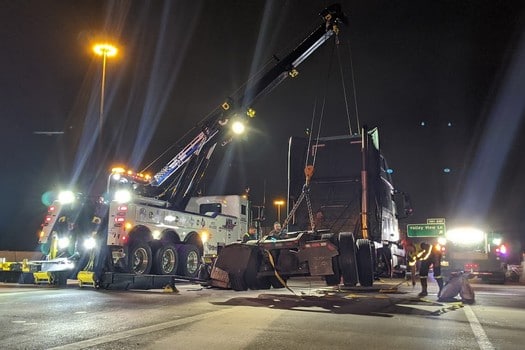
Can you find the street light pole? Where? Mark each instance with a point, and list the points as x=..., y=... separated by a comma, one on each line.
x=278, y=203
x=105, y=50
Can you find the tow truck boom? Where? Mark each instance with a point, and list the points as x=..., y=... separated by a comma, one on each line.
x=196, y=154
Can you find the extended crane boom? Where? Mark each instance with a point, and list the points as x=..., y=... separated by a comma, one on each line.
x=195, y=155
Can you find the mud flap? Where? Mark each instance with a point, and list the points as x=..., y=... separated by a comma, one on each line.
x=319, y=257
x=231, y=266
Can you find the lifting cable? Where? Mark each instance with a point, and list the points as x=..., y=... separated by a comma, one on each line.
x=353, y=87
x=341, y=73
x=309, y=168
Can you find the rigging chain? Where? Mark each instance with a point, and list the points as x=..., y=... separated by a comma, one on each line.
x=309, y=169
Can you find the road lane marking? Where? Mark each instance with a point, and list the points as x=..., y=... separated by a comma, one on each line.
x=21, y=292
x=481, y=337
x=239, y=332
x=143, y=330
x=506, y=294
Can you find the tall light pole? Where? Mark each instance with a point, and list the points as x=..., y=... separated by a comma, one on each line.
x=279, y=203
x=105, y=50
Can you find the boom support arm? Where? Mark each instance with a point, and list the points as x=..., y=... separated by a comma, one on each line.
x=213, y=126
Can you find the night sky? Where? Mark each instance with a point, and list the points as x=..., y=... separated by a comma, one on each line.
x=443, y=80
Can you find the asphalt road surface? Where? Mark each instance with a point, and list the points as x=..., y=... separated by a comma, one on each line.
x=310, y=316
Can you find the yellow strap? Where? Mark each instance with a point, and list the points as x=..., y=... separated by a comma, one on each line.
x=283, y=282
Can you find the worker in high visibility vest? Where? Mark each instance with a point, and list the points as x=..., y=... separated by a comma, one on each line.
x=429, y=255
x=250, y=235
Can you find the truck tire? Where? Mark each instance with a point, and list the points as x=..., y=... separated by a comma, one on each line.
x=237, y=282
x=252, y=269
x=335, y=279
x=190, y=260
x=347, y=259
x=166, y=260
x=139, y=259
x=365, y=265
x=384, y=262
x=497, y=277
x=59, y=278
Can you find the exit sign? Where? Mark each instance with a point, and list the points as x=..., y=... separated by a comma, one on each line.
x=425, y=230
x=436, y=221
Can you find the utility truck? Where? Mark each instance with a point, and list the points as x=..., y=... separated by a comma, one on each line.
x=64, y=223
x=343, y=220
x=475, y=252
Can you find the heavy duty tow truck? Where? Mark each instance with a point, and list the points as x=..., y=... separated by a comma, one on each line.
x=153, y=230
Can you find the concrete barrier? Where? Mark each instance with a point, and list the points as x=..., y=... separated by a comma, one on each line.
x=14, y=256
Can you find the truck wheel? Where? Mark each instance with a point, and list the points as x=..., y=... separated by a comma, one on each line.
x=139, y=261
x=335, y=279
x=496, y=278
x=237, y=282
x=384, y=262
x=59, y=278
x=263, y=283
x=252, y=269
x=190, y=260
x=347, y=259
x=166, y=260
x=365, y=262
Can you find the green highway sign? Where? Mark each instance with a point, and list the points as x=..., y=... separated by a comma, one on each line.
x=426, y=230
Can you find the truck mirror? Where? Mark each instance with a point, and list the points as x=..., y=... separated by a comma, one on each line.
x=403, y=204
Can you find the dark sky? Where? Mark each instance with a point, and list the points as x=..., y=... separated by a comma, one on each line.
x=452, y=65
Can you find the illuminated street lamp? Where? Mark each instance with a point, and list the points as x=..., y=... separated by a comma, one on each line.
x=279, y=203
x=105, y=50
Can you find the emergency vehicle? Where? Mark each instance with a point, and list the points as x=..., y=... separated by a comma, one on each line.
x=475, y=252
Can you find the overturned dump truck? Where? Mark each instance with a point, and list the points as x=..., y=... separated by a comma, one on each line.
x=343, y=221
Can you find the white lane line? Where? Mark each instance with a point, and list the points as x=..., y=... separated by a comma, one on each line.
x=481, y=337
x=140, y=331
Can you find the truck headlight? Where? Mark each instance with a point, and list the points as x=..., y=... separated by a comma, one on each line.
x=66, y=197
x=442, y=240
x=63, y=242
x=122, y=196
x=90, y=243
x=205, y=235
